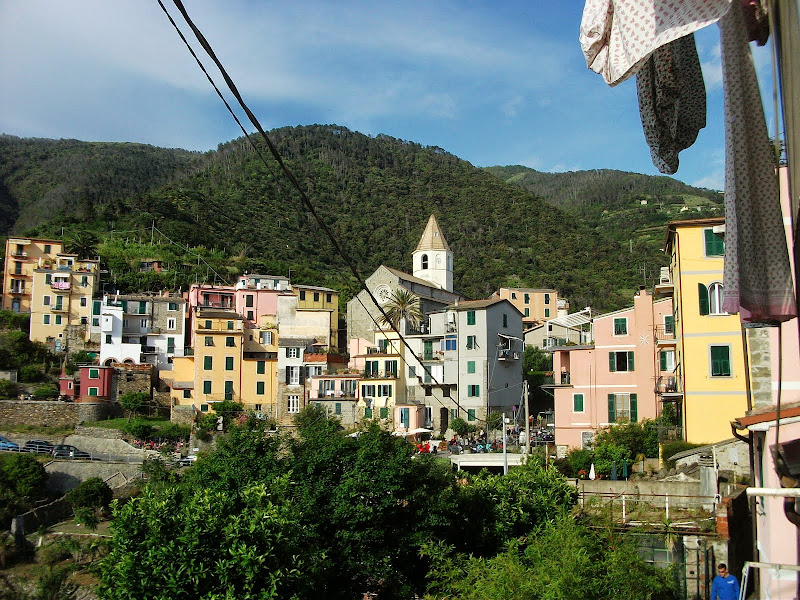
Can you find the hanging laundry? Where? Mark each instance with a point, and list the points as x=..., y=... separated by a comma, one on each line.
x=618, y=36
x=672, y=101
x=757, y=276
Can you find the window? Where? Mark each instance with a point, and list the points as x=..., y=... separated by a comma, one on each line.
x=316, y=296
x=208, y=325
x=84, y=281
x=302, y=294
x=257, y=407
x=328, y=297
x=424, y=261
x=621, y=326
x=143, y=323
x=383, y=346
x=94, y=373
x=46, y=319
x=622, y=407
x=620, y=361
x=230, y=324
x=229, y=342
x=368, y=413
x=384, y=412
x=720, y=361
x=48, y=278
x=471, y=342
x=412, y=372
x=208, y=363
x=204, y=408
x=108, y=338
x=450, y=343
x=261, y=367
x=95, y=322
x=142, y=307
x=547, y=298
x=546, y=312
x=209, y=340
x=58, y=319
x=505, y=320
x=84, y=302
x=367, y=391
x=266, y=338
x=250, y=315
x=293, y=375
x=470, y=366
x=228, y=390
x=371, y=368
x=292, y=352
x=667, y=360
x=170, y=345
x=229, y=363
x=93, y=391
x=385, y=390
x=715, y=244
x=96, y=307
x=473, y=391
x=293, y=404
x=669, y=324
x=47, y=248
x=470, y=317
x=391, y=368
x=338, y=408
x=248, y=301
x=187, y=393
x=470, y=414
x=527, y=312
x=577, y=403
x=710, y=299
x=171, y=323
x=527, y=298
x=46, y=300
x=172, y=306
x=259, y=388
x=206, y=387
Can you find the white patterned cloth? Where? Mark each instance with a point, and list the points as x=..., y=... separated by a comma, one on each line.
x=618, y=36
x=757, y=277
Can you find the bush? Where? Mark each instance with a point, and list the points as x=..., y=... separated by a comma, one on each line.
x=78, y=358
x=8, y=389
x=670, y=449
x=46, y=391
x=174, y=432
x=577, y=460
x=139, y=429
x=30, y=373
x=132, y=402
x=22, y=476
x=461, y=427
x=92, y=493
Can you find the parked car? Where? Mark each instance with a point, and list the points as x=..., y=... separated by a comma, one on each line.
x=187, y=461
x=6, y=444
x=38, y=447
x=67, y=451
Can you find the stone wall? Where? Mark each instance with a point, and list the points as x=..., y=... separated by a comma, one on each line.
x=64, y=475
x=52, y=414
x=760, y=367
x=99, y=432
x=182, y=414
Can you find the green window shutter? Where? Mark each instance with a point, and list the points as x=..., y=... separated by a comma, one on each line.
x=230, y=324
x=260, y=388
x=663, y=356
x=612, y=409
x=630, y=360
x=384, y=412
x=453, y=413
x=206, y=387
x=612, y=361
x=170, y=345
x=669, y=324
x=95, y=308
x=720, y=361
x=471, y=414
x=142, y=308
x=261, y=367
x=470, y=317
x=634, y=408
x=207, y=363
x=187, y=393
x=124, y=306
x=288, y=353
x=228, y=390
x=229, y=363
x=702, y=292
x=368, y=413
x=470, y=366
x=338, y=408
x=715, y=244
x=577, y=403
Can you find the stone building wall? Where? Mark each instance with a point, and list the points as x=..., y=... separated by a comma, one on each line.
x=134, y=378
x=53, y=414
x=760, y=367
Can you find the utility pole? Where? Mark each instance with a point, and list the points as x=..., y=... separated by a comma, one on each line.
x=505, y=451
x=527, y=419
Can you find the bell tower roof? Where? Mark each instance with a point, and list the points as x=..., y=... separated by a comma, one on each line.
x=432, y=238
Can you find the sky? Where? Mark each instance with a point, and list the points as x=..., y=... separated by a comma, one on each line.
x=494, y=83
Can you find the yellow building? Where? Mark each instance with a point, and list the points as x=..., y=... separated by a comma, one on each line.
x=228, y=362
x=61, y=297
x=709, y=390
x=382, y=384
x=536, y=305
x=319, y=298
x=23, y=255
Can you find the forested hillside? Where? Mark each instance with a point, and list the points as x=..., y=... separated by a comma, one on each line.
x=375, y=192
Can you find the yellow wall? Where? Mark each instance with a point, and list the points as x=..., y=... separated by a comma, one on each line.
x=33, y=251
x=536, y=303
x=710, y=403
x=321, y=303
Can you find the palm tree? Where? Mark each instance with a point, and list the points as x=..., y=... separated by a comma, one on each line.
x=83, y=243
x=402, y=305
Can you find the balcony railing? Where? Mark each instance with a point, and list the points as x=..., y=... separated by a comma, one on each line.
x=18, y=290
x=562, y=378
x=19, y=254
x=667, y=384
x=379, y=375
x=507, y=355
x=60, y=285
x=59, y=308
x=665, y=332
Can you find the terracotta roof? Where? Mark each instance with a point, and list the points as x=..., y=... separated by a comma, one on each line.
x=473, y=304
x=772, y=415
x=432, y=238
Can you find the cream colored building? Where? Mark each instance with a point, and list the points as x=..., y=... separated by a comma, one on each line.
x=23, y=255
x=536, y=305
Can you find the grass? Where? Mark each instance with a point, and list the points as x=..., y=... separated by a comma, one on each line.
x=120, y=422
x=39, y=430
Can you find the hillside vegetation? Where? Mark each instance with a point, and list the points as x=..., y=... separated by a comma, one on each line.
x=375, y=192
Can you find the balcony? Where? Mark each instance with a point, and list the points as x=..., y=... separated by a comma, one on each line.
x=507, y=355
x=189, y=351
x=59, y=308
x=379, y=375
x=667, y=385
x=19, y=254
x=17, y=290
x=60, y=285
x=149, y=350
x=433, y=355
x=557, y=380
x=665, y=286
x=665, y=335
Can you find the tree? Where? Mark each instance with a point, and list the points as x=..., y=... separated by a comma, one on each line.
x=132, y=402
x=461, y=427
x=82, y=242
x=23, y=480
x=92, y=493
x=537, y=360
x=402, y=305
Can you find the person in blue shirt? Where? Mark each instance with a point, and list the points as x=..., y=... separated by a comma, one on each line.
x=725, y=586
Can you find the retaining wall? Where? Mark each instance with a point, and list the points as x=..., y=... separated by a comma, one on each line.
x=50, y=413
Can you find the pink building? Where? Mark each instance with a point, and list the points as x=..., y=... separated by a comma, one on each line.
x=96, y=383
x=614, y=379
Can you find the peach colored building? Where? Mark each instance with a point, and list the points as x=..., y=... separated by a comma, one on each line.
x=614, y=379
x=536, y=305
x=22, y=256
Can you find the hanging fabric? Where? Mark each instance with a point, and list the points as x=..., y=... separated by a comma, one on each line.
x=757, y=276
x=618, y=36
x=672, y=101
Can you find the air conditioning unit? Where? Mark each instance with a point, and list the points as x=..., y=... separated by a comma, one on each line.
x=516, y=355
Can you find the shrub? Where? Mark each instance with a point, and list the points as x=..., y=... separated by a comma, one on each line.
x=22, y=476
x=30, y=373
x=461, y=427
x=174, y=431
x=139, y=429
x=8, y=389
x=577, y=460
x=132, y=402
x=87, y=517
x=670, y=449
x=46, y=391
x=92, y=493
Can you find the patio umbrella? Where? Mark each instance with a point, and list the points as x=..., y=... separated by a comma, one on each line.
x=592, y=474
x=419, y=430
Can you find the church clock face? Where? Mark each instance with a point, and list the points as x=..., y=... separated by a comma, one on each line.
x=382, y=293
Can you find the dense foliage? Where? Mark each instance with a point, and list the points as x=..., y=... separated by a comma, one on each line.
x=228, y=213
x=22, y=482
x=324, y=515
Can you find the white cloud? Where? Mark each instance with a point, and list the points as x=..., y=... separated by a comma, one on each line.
x=713, y=181
x=512, y=106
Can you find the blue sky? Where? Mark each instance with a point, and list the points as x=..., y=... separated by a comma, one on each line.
x=491, y=82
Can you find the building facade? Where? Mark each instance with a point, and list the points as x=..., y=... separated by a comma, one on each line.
x=22, y=256
x=535, y=305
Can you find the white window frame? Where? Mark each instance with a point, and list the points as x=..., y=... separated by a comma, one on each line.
x=715, y=290
x=294, y=375
x=293, y=404
x=266, y=338
x=172, y=323
x=46, y=300
x=614, y=326
x=293, y=352
x=622, y=400
x=143, y=323
x=670, y=363
x=84, y=302
x=45, y=319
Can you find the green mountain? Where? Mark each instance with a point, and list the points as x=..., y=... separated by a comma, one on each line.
x=225, y=212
